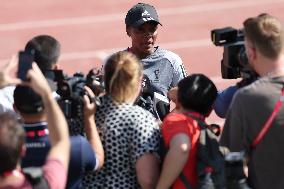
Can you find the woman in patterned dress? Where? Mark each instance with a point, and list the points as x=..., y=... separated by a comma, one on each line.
x=130, y=134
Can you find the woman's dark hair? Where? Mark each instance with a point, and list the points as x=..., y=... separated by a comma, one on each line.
x=197, y=92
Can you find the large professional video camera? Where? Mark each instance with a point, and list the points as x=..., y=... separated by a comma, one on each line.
x=235, y=62
x=71, y=91
x=234, y=168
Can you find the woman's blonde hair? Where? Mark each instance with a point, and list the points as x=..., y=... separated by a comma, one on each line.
x=122, y=72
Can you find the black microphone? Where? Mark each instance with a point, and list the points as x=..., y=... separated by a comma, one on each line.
x=161, y=105
x=162, y=109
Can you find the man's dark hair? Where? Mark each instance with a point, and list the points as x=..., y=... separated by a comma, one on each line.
x=197, y=92
x=27, y=101
x=12, y=138
x=46, y=50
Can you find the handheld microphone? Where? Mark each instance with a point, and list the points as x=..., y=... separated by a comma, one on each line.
x=161, y=105
x=162, y=109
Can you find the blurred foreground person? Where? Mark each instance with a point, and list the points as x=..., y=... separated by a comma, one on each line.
x=12, y=143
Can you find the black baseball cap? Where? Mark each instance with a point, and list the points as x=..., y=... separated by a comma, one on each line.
x=27, y=100
x=140, y=14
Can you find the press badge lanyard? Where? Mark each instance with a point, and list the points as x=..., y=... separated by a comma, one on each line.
x=269, y=121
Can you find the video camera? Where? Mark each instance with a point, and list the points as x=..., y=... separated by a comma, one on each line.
x=234, y=168
x=71, y=91
x=235, y=62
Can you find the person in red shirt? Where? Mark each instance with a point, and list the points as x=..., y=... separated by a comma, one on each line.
x=196, y=95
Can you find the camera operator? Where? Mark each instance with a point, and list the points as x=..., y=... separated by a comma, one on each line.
x=46, y=51
x=234, y=64
x=253, y=104
x=85, y=155
x=163, y=68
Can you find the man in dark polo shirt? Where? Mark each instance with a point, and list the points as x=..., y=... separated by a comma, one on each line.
x=85, y=155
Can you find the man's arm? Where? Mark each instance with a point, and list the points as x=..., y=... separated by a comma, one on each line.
x=57, y=125
x=175, y=160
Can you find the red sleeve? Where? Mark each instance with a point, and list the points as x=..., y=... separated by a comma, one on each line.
x=55, y=173
x=174, y=124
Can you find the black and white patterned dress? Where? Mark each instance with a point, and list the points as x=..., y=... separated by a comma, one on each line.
x=127, y=132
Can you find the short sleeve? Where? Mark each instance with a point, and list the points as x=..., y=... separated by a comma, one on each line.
x=179, y=69
x=55, y=173
x=145, y=137
x=174, y=124
x=88, y=156
x=223, y=101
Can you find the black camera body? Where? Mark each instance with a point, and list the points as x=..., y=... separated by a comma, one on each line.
x=235, y=62
x=234, y=168
x=71, y=91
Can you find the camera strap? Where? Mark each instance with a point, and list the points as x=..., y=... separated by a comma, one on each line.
x=269, y=121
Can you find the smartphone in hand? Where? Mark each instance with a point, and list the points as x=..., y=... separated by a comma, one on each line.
x=25, y=63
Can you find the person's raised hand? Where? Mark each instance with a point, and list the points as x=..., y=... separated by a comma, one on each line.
x=89, y=105
x=37, y=81
x=5, y=78
x=172, y=94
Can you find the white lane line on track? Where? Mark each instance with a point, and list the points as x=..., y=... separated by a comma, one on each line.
x=120, y=16
x=103, y=53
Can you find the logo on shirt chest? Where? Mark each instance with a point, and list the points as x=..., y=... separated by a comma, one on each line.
x=157, y=75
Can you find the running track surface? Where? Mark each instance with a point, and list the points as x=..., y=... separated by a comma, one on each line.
x=89, y=30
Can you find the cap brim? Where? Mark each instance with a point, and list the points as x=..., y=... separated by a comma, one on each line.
x=141, y=22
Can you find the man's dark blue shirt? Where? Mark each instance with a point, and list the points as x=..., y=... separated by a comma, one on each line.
x=82, y=157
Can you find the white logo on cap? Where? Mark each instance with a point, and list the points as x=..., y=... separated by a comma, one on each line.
x=148, y=19
x=145, y=13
